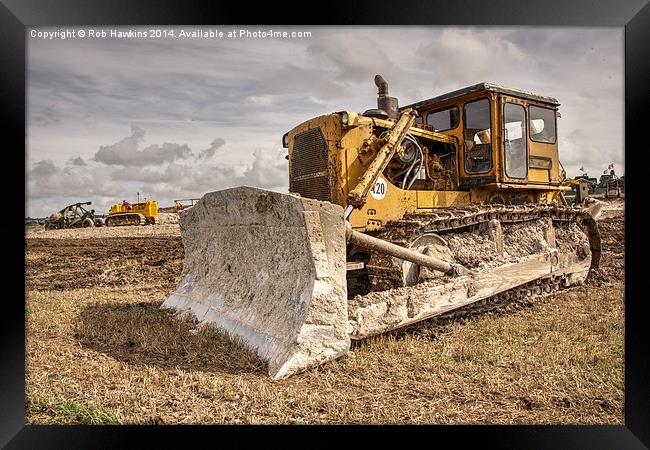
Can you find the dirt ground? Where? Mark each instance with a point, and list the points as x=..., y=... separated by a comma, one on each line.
x=101, y=351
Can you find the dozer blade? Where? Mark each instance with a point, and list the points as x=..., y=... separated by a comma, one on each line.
x=269, y=269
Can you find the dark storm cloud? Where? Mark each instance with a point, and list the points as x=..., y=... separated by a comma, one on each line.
x=155, y=84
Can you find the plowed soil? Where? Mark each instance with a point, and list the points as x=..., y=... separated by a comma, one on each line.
x=64, y=264
x=100, y=350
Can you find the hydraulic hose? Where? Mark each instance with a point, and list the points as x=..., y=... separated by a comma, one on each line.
x=410, y=138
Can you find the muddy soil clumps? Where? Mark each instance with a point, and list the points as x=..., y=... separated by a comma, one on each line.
x=61, y=264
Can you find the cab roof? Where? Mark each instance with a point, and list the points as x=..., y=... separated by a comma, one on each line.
x=480, y=87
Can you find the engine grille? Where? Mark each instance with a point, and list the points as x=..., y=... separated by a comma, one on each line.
x=309, y=172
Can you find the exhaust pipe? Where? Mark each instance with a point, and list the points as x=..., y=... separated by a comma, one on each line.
x=384, y=101
x=382, y=85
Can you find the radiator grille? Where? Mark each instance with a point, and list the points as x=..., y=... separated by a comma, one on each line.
x=309, y=174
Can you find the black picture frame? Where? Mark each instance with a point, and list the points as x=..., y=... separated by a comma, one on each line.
x=18, y=15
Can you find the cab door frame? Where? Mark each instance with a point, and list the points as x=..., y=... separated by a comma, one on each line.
x=468, y=179
x=501, y=141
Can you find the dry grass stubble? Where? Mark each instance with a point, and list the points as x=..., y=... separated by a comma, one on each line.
x=113, y=352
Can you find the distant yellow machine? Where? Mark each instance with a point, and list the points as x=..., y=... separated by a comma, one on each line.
x=125, y=213
x=184, y=203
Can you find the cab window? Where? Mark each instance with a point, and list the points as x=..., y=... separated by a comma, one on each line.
x=444, y=119
x=515, y=140
x=542, y=124
x=477, y=136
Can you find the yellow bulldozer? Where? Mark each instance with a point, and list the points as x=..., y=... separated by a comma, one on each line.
x=139, y=213
x=394, y=215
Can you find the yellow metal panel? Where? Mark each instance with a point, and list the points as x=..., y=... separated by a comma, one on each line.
x=441, y=199
x=397, y=202
x=351, y=150
x=538, y=175
x=547, y=151
x=380, y=210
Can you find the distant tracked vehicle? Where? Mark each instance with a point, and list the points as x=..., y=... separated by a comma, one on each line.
x=125, y=214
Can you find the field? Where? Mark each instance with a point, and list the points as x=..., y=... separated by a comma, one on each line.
x=101, y=351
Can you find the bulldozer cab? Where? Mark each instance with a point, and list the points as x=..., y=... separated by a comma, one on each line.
x=506, y=137
x=481, y=144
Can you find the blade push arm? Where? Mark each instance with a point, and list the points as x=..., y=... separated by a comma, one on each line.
x=357, y=196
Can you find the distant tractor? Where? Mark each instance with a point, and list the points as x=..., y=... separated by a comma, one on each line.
x=125, y=213
x=610, y=183
x=73, y=216
x=184, y=203
x=612, y=189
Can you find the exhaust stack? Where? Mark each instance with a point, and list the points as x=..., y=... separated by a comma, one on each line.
x=384, y=101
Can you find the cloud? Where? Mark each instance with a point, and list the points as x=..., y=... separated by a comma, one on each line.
x=356, y=60
x=260, y=100
x=122, y=150
x=46, y=116
x=44, y=168
x=47, y=180
x=52, y=186
x=214, y=146
x=303, y=80
x=269, y=169
x=194, y=96
x=126, y=153
x=467, y=56
x=78, y=161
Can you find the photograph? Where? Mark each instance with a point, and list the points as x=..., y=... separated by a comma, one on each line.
x=325, y=225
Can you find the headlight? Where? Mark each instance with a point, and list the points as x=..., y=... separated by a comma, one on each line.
x=344, y=118
x=285, y=140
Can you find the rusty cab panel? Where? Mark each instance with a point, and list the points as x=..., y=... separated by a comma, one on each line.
x=470, y=118
x=528, y=147
x=508, y=141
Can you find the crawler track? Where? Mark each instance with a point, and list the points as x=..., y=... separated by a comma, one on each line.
x=125, y=219
x=542, y=249
x=384, y=273
x=519, y=297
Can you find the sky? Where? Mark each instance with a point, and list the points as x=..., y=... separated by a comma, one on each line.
x=176, y=117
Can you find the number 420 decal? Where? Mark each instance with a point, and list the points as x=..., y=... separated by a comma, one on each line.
x=378, y=191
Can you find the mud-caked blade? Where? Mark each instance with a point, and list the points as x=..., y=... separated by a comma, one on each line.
x=269, y=270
